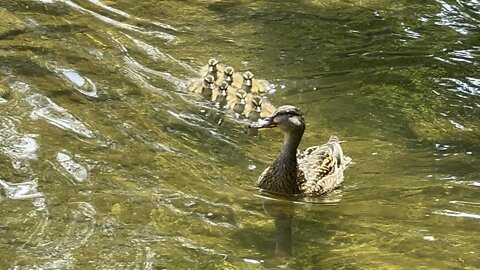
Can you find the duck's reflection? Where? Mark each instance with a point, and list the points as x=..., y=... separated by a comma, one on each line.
x=282, y=211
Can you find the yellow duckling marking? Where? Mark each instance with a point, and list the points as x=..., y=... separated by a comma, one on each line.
x=213, y=68
x=204, y=87
x=251, y=85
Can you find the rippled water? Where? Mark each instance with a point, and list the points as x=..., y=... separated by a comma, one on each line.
x=106, y=162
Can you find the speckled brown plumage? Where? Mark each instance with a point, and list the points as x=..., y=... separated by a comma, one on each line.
x=316, y=171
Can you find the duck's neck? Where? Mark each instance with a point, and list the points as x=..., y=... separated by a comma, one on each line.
x=290, y=144
x=247, y=87
x=282, y=176
x=239, y=107
x=213, y=71
x=207, y=91
x=229, y=79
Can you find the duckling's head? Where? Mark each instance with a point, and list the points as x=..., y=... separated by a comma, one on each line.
x=257, y=103
x=212, y=64
x=210, y=81
x=229, y=71
x=247, y=78
x=223, y=88
x=287, y=117
x=241, y=96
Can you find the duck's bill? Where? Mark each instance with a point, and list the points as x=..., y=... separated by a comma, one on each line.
x=263, y=123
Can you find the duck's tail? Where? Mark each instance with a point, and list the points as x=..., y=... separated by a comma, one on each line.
x=342, y=161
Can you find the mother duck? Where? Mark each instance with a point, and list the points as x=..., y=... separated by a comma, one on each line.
x=316, y=171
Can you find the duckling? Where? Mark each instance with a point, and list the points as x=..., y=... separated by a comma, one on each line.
x=237, y=103
x=254, y=86
x=203, y=86
x=316, y=171
x=233, y=78
x=213, y=68
x=258, y=107
x=221, y=94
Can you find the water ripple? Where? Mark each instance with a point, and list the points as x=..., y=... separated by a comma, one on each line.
x=453, y=17
x=187, y=243
x=21, y=191
x=126, y=15
x=139, y=73
x=162, y=35
x=56, y=115
x=74, y=169
x=470, y=86
x=197, y=122
x=451, y=213
x=19, y=147
x=156, y=54
x=52, y=245
x=82, y=84
x=459, y=126
x=135, y=65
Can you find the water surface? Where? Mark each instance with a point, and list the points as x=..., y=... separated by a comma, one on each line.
x=107, y=162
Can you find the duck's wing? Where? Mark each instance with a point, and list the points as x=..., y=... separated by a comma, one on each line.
x=261, y=86
x=267, y=108
x=317, y=161
x=237, y=80
x=321, y=167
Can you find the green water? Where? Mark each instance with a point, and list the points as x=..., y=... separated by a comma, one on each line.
x=107, y=163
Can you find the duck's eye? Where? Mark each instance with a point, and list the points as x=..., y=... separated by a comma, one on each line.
x=288, y=113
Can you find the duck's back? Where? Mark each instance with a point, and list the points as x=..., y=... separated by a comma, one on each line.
x=320, y=168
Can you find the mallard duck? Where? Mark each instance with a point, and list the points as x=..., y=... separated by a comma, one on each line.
x=258, y=107
x=203, y=86
x=233, y=78
x=238, y=101
x=314, y=172
x=221, y=94
x=213, y=68
x=251, y=85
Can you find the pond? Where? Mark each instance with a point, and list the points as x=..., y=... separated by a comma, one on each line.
x=107, y=162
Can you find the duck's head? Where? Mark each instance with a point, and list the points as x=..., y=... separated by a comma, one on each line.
x=229, y=74
x=247, y=78
x=241, y=96
x=223, y=88
x=229, y=71
x=257, y=103
x=212, y=64
x=287, y=117
x=209, y=81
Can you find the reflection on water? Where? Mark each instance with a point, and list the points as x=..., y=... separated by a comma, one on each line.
x=21, y=191
x=84, y=85
x=107, y=162
x=282, y=213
